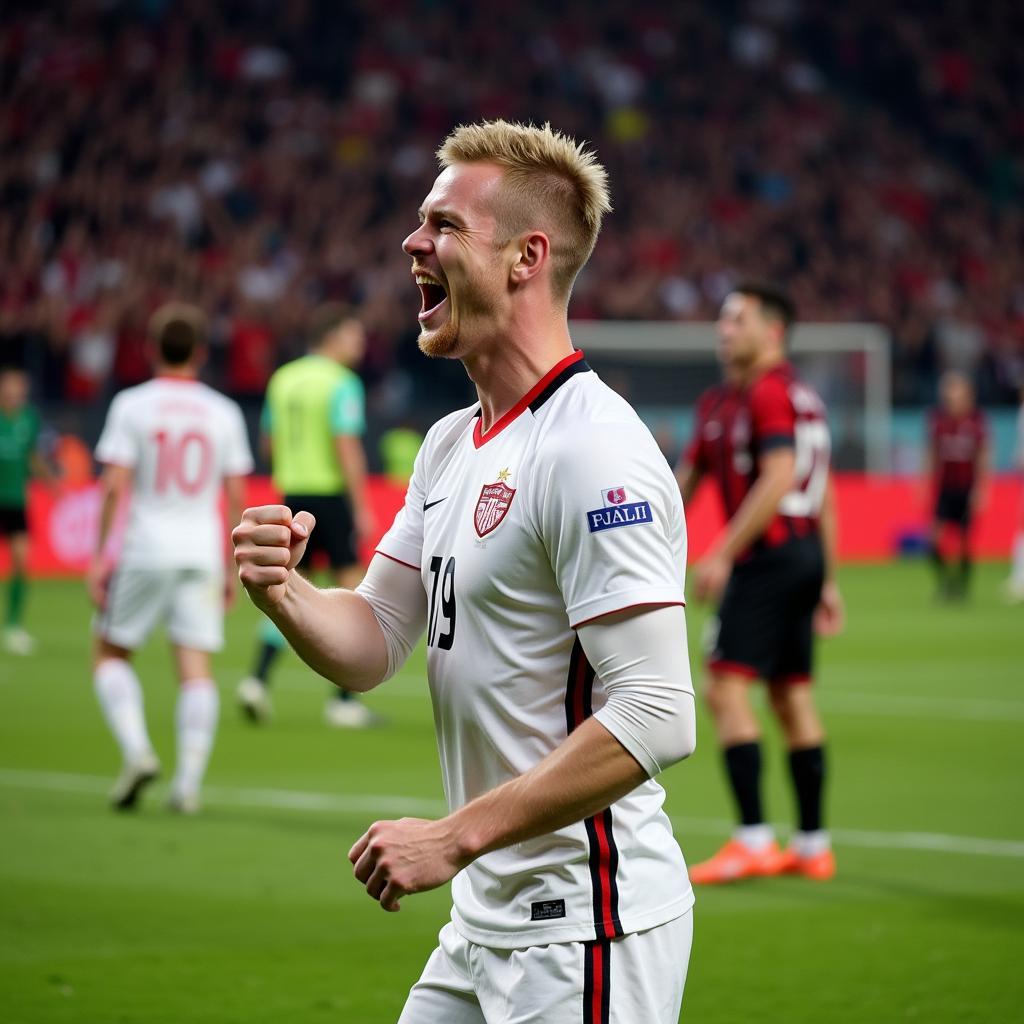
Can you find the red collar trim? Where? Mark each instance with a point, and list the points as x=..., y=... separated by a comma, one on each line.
x=479, y=439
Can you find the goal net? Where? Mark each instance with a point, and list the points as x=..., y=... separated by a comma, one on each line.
x=661, y=368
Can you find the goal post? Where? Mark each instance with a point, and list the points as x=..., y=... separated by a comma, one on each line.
x=662, y=367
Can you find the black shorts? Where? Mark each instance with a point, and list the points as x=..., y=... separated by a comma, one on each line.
x=12, y=520
x=766, y=620
x=334, y=534
x=953, y=506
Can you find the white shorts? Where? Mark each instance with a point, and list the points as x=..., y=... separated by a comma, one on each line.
x=637, y=979
x=189, y=601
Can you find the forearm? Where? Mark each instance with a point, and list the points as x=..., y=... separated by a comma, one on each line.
x=588, y=772
x=109, y=500
x=352, y=460
x=755, y=512
x=234, y=502
x=335, y=632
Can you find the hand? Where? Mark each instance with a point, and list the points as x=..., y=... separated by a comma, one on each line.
x=269, y=542
x=711, y=574
x=395, y=858
x=97, y=580
x=830, y=615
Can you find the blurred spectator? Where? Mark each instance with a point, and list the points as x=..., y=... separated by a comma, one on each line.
x=260, y=158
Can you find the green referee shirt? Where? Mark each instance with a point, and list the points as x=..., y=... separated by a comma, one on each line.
x=18, y=437
x=309, y=403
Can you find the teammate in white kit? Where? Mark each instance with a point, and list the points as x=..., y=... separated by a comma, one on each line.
x=175, y=444
x=542, y=548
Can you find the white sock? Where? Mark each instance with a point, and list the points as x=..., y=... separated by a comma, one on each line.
x=755, y=837
x=1017, y=573
x=120, y=696
x=196, y=719
x=810, y=844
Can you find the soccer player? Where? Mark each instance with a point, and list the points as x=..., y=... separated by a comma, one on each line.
x=956, y=462
x=773, y=566
x=541, y=547
x=313, y=422
x=175, y=444
x=710, y=447
x=19, y=460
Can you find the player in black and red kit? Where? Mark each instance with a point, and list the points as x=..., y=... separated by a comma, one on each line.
x=957, y=465
x=773, y=566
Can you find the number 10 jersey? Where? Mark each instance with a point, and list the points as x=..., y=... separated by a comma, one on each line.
x=564, y=511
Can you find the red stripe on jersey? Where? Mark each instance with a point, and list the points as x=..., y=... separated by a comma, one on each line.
x=408, y=565
x=630, y=607
x=479, y=438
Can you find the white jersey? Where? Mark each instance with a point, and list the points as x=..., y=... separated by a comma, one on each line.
x=180, y=438
x=565, y=511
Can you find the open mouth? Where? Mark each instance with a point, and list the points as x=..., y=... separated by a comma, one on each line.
x=433, y=295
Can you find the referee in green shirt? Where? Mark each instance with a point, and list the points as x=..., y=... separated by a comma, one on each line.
x=313, y=421
x=19, y=459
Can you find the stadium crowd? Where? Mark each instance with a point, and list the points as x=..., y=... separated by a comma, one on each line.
x=257, y=158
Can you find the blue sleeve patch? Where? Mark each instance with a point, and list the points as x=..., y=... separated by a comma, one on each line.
x=612, y=516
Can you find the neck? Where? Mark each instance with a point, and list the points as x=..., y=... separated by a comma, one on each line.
x=510, y=363
x=765, y=362
x=186, y=372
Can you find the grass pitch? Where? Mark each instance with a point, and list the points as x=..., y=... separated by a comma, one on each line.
x=249, y=913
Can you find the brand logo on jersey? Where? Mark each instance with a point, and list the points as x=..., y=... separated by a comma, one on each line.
x=547, y=910
x=615, y=496
x=492, y=506
x=634, y=513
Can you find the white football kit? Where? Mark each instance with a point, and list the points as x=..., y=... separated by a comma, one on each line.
x=181, y=439
x=563, y=512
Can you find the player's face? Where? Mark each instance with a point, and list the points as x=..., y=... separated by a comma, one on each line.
x=742, y=330
x=457, y=262
x=957, y=396
x=13, y=390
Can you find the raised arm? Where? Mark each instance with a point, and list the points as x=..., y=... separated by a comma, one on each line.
x=356, y=639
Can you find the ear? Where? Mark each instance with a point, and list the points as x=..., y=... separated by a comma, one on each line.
x=532, y=256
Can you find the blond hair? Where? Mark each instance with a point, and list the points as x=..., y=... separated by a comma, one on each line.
x=550, y=181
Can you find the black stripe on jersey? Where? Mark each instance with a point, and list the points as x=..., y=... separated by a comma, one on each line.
x=603, y=859
x=556, y=382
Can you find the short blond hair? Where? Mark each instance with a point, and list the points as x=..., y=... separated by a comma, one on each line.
x=548, y=176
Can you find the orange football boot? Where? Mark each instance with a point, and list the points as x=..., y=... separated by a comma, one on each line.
x=818, y=866
x=734, y=861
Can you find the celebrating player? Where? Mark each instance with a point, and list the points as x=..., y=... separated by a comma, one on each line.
x=313, y=422
x=773, y=566
x=174, y=442
x=541, y=547
x=19, y=460
x=956, y=462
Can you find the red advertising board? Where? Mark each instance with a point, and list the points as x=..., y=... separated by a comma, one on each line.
x=877, y=515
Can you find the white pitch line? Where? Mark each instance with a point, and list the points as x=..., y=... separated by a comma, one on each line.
x=372, y=804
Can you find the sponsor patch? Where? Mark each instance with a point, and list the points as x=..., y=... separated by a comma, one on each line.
x=547, y=910
x=633, y=513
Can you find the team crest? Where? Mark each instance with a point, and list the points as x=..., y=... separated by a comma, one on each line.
x=616, y=495
x=492, y=506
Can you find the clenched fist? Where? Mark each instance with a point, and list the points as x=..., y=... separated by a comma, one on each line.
x=269, y=542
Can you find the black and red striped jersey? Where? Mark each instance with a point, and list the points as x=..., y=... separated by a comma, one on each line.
x=956, y=443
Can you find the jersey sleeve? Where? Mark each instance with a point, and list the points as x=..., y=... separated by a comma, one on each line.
x=772, y=416
x=404, y=540
x=118, y=444
x=612, y=522
x=238, y=455
x=347, y=409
